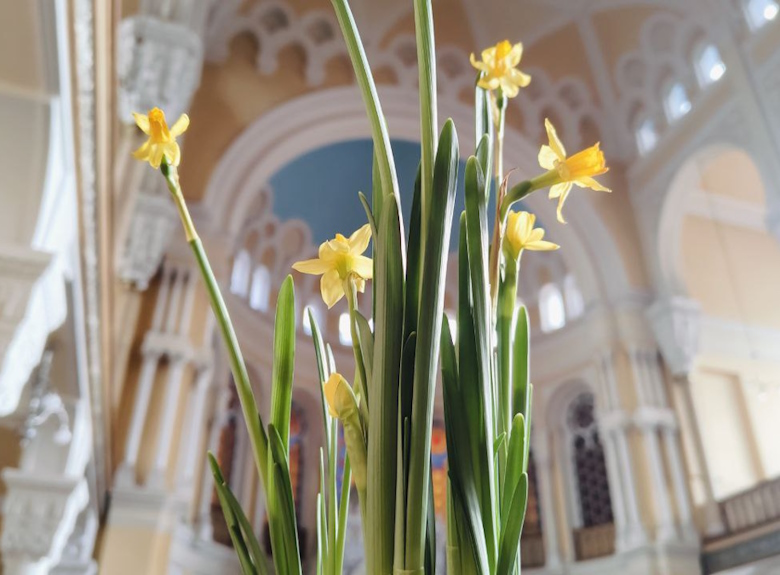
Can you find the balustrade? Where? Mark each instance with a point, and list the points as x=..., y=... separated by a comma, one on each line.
x=594, y=542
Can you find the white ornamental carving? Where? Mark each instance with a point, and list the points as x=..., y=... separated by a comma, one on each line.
x=676, y=323
x=39, y=514
x=153, y=222
x=159, y=64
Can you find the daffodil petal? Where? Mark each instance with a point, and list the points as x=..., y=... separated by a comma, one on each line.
x=547, y=157
x=156, y=155
x=509, y=89
x=558, y=190
x=142, y=121
x=329, y=389
x=180, y=126
x=561, y=200
x=331, y=287
x=363, y=266
x=515, y=54
x=315, y=266
x=555, y=141
x=142, y=153
x=586, y=182
x=519, y=78
x=541, y=246
x=173, y=154
x=358, y=241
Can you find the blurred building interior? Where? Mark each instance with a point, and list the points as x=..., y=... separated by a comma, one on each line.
x=656, y=327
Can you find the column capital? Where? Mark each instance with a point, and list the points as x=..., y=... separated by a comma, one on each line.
x=39, y=514
x=676, y=323
x=649, y=417
x=177, y=53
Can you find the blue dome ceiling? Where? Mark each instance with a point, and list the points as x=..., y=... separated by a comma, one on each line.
x=321, y=187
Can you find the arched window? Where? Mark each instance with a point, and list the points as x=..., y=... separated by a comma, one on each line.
x=239, y=278
x=676, y=101
x=345, y=331
x=589, y=466
x=709, y=65
x=552, y=313
x=575, y=304
x=261, y=289
x=451, y=319
x=646, y=136
x=761, y=12
x=316, y=312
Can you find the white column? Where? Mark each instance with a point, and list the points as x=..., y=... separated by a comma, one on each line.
x=713, y=518
x=165, y=438
x=643, y=393
x=544, y=488
x=665, y=529
x=635, y=531
x=172, y=316
x=617, y=495
x=570, y=512
x=190, y=445
x=185, y=320
x=126, y=473
x=682, y=499
x=219, y=420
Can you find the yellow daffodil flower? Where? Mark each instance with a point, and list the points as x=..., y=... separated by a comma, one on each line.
x=577, y=170
x=332, y=390
x=340, y=261
x=521, y=235
x=499, y=63
x=162, y=141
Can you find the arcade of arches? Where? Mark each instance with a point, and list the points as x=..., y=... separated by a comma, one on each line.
x=656, y=327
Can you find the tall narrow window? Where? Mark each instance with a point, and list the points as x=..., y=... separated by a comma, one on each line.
x=552, y=313
x=316, y=312
x=646, y=136
x=761, y=12
x=589, y=465
x=709, y=65
x=345, y=331
x=677, y=102
x=575, y=304
x=239, y=278
x=261, y=289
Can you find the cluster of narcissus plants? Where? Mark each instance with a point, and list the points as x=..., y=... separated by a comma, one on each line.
x=387, y=413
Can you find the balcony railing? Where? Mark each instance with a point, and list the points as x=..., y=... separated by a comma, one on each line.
x=593, y=542
x=532, y=550
x=752, y=508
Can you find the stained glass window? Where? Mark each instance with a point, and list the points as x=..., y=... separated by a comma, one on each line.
x=589, y=464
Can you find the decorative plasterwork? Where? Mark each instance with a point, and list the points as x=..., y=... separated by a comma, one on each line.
x=666, y=52
x=32, y=305
x=676, y=322
x=568, y=102
x=158, y=64
x=152, y=223
x=275, y=27
x=39, y=514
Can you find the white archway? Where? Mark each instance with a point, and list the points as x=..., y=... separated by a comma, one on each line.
x=337, y=115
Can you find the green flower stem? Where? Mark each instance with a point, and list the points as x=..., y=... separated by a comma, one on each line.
x=498, y=102
x=515, y=194
x=343, y=509
x=507, y=301
x=361, y=381
x=254, y=423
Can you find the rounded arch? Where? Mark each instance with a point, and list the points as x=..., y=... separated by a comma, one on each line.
x=684, y=183
x=338, y=114
x=561, y=397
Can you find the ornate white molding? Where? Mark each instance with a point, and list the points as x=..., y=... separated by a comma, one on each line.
x=159, y=63
x=77, y=554
x=152, y=224
x=32, y=305
x=39, y=514
x=676, y=322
